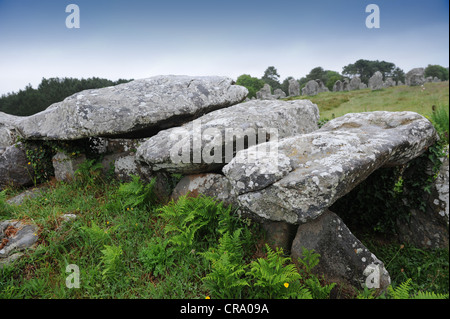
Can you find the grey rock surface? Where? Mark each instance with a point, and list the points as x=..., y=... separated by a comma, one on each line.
x=209, y=184
x=14, y=167
x=338, y=86
x=354, y=84
x=18, y=235
x=376, y=81
x=136, y=109
x=65, y=166
x=8, y=133
x=343, y=258
x=311, y=88
x=308, y=173
x=265, y=93
x=415, y=77
x=211, y=141
x=294, y=87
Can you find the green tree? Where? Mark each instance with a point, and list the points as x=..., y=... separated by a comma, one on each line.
x=272, y=78
x=331, y=78
x=252, y=84
x=30, y=101
x=398, y=75
x=366, y=68
x=436, y=71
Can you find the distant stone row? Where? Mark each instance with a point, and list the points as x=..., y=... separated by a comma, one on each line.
x=414, y=77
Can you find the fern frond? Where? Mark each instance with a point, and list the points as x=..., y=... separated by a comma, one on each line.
x=402, y=291
x=429, y=295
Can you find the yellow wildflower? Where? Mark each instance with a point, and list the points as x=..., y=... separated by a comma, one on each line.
x=286, y=284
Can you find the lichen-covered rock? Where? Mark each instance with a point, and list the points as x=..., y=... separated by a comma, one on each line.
x=265, y=93
x=15, y=236
x=427, y=227
x=354, y=84
x=14, y=167
x=415, y=77
x=8, y=133
x=136, y=109
x=65, y=166
x=209, y=142
x=311, y=88
x=209, y=184
x=338, y=86
x=294, y=87
x=376, y=81
x=343, y=258
x=308, y=173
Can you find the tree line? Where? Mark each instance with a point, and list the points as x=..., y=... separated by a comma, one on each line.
x=361, y=68
x=30, y=101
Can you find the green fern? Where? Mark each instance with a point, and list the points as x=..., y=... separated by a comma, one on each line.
x=193, y=221
x=429, y=295
x=135, y=193
x=157, y=256
x=97, y=235
x=275, y=277
x=226, y=280
x=402, y=291
x=88, y=172
x=111, y=261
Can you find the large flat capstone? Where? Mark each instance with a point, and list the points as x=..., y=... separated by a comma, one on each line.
x=211, y=141
x=139, y=108
x=308, y=173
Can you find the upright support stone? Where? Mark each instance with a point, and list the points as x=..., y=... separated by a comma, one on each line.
x=343, y=258
x=65, y=166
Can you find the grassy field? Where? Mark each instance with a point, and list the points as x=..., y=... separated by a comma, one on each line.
x=127, y=245
x=401, y=98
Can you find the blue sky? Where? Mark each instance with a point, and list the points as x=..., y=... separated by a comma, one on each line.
x=138, y=39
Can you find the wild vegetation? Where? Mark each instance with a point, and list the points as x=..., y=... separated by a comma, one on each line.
x=127, y=244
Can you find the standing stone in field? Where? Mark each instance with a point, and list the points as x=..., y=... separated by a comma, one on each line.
x=376, y=81
x=294, y=87
x=139, y=108
x=322, y=87
x=211, y=141
x=415, y=77
x=279, y=94
x=345, y=85
x=265, y=93
x=389, y=83
x=363, y=86
x=309, y=172
x=354, y=83
x=311, y=88
x=436, y=79
x=337, y=87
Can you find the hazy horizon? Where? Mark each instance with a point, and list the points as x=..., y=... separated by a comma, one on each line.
x=138, y=39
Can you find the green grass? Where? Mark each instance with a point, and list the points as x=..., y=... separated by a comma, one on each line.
x=191, y=248
x=126, y=245
x=402, y=98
